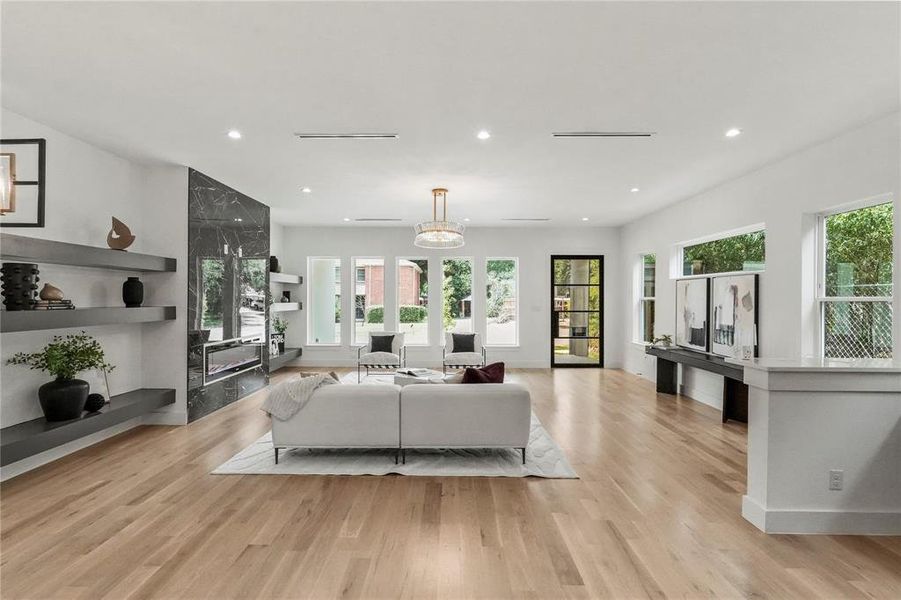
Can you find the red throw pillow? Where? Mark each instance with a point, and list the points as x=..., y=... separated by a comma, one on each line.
x=493, y=373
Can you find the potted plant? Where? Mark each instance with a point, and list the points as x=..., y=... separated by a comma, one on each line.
x=664, y=341
x=65, y=357
x=279, y=326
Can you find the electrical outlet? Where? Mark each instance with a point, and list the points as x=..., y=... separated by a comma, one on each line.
x=836, y=479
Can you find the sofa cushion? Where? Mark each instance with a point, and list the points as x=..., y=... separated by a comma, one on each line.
x=381, y=343
x=464, y=342
x=493, y=373
x=380, y=358
x=463, y=358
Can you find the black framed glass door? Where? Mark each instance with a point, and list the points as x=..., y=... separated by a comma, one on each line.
x=577, y=311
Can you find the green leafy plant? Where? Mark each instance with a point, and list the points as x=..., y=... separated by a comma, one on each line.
x=279, y=325
x=665, y=340
x=66, y=356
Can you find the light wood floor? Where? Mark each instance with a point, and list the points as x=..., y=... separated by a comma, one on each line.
x=656, y=513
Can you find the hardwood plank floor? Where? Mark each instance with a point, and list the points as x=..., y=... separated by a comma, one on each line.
x=655, y=514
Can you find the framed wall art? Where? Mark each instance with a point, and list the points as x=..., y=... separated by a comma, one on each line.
x=22, y=182
x=692, y=299
x=734, y=312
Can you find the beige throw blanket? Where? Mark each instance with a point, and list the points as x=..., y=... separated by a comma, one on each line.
x=287, y=398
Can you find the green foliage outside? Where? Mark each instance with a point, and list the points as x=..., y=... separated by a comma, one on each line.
x=501, y=284
x=413, y=314
x=564, y=271
x=457, y=286
x=859, y=252
x=66, y=356
x=745, y=252
x=212, y=271
x=375, y=314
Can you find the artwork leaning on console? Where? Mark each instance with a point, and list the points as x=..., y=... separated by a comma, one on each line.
x=734, y=311
x=691, y=313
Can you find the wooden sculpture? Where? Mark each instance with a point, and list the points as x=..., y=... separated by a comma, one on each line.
x=119, y=237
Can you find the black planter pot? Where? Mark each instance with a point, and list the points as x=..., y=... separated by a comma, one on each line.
x=133, y=292
x=63, y=399
x=273, y=265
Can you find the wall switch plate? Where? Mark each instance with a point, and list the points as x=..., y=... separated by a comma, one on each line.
x=836, y=479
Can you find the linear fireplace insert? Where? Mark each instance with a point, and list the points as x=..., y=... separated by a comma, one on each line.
x=230, y=357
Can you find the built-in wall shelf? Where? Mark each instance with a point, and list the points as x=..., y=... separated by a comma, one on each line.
x=32, y=320
x=19, y=248
x=284, y=306
x=277, y=362
x=38, y=435
x=285, y=278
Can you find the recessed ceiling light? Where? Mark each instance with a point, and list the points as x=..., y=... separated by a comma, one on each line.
x=733, y=132
x=346, y=219
x=306, y=190
x=584, y=218
x=634, y=190
x=238, y=219
x=234, y=134
x=466, y=219
x=483, y=135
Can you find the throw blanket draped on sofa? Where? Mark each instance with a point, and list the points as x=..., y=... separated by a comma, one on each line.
x=287, y=398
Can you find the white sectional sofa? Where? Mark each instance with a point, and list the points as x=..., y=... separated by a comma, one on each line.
x=416, y=416
x=343, y=416
x=487, y=415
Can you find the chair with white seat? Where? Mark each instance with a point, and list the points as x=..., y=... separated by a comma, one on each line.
x=461, y=360
x=393, y=360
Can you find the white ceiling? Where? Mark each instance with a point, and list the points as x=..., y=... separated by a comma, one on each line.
x=167, y=81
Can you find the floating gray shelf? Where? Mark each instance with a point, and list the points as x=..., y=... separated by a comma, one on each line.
x=285, y=278
x=284, y=306
x=36, y=436
x=27, y=249
x=277, y=362
x=32, y=320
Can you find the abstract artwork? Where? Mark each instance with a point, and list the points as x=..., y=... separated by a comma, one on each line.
x=691, y=313
x=734, y=299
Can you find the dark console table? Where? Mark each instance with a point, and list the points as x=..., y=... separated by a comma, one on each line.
x=735, y=391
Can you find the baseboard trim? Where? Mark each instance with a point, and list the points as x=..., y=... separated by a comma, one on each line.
x=830, y=522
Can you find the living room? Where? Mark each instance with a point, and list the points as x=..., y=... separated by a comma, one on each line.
x=485, y=299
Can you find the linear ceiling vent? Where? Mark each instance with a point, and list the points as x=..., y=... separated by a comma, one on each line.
x=526, y=219
x=347, y=136
x=375, y=220
x=602, y=134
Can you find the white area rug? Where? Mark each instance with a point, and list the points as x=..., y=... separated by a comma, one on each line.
x=544, y=458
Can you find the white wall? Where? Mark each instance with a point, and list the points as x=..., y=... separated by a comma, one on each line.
x=532, y=246
x=86, y=186
x=784, y=195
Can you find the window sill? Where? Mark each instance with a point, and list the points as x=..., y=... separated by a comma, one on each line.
x=642, y=344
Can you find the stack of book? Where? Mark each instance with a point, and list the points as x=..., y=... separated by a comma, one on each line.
x=54, y=305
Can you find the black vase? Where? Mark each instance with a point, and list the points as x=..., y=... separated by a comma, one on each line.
x=273, y=264
x=20, y=284
x=63, y=399
x=133, y=292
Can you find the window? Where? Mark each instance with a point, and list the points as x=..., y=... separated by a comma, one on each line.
x=647, y=290
x=856, y=282
x=457, y=294
x=501, y=304
x=369, y=297
x=744, y=252
x=413, y=300
x=324, y=326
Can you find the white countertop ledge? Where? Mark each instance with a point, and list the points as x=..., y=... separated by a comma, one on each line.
x=830, y=365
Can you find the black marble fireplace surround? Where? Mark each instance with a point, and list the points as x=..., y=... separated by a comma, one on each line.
x=228, y=283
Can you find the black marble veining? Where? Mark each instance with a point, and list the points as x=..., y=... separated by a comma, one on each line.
x=228, y=283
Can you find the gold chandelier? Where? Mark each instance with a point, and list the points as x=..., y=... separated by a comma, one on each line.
x=439, y=234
